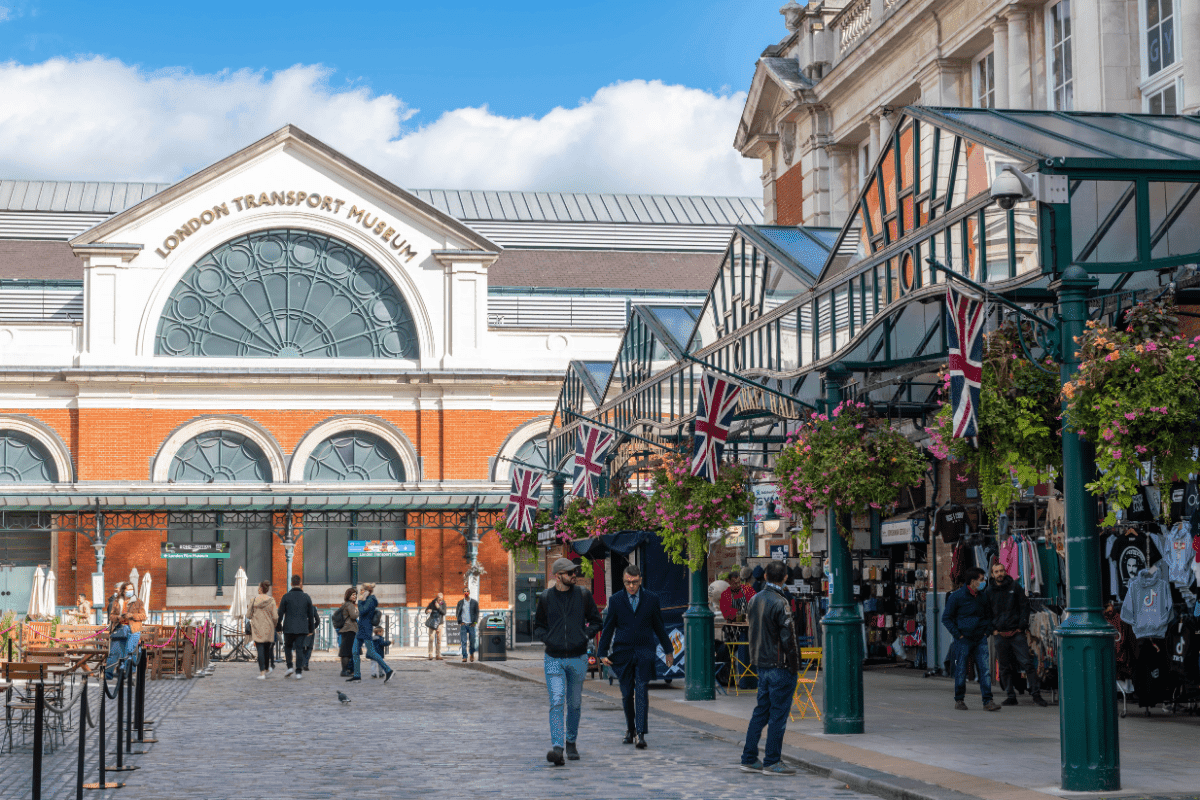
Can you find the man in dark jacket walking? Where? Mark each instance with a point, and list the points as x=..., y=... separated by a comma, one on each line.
x=774, y=651
x=632, y=626
x=1010, y=620
x=566, y=619
x=297, y=619
x=969, y=620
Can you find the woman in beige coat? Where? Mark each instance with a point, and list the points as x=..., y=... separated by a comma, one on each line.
x=348, y=631
x=264, y=616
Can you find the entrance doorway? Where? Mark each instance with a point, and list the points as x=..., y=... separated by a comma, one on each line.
x=25, y=544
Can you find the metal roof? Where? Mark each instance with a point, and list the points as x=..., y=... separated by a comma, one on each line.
x=585, y=207
x=806, y=246
x=1077, y=134
x=786, y=72
x=81, y=197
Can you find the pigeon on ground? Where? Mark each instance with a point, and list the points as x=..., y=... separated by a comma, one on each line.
x=342, y=698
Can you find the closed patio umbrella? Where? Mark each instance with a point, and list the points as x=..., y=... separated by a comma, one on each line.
x=240, y=604
x=133, y=579
x=35, y=595
x=144, y=593
x=50, y=594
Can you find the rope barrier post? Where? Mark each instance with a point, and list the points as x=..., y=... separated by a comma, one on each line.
x=83, y=723
x=120, y=698
x=141, y=701
x=101, y=784
x=129, y=710
x=39, y=719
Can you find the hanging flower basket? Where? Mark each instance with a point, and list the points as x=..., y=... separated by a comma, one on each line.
x=1019, y=445
x=848, y=462
x=1136, y=397
x=687, y=507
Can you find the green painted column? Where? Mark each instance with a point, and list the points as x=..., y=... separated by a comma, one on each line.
x=698, y=640
x=843, y=624
x=1087, y=706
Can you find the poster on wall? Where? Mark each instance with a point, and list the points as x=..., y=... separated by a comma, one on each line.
x=381, y=548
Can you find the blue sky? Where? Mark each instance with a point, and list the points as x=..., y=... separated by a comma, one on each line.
x=519, y=61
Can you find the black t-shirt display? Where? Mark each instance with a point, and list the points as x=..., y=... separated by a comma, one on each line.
x=950, y=522
x=1185, y=500
x=1127, y=556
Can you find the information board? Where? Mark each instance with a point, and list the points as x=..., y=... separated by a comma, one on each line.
x=381, y=548
x=195, y=549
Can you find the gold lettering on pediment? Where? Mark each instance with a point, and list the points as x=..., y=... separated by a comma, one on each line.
x=373, y=223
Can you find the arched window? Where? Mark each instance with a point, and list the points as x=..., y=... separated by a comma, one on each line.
x=24, y=459
x=354, y=456
x=533, y=452
x=286, y=294
x=219, y=457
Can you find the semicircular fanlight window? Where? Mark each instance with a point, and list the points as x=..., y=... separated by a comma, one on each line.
x=23, y=459
x=220, y=457
x=286, y=294
x=354, y=456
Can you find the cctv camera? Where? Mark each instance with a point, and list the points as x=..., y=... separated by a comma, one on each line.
x=1011, y=186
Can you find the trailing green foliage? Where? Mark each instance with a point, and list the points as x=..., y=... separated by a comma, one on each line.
x=687, y=507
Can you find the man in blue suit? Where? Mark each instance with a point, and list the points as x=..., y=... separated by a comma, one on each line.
x=633, y=623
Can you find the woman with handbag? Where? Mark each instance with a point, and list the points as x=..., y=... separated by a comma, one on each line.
x=125, y=617
x=262, y=619
x=437, y=613
x=348, y=630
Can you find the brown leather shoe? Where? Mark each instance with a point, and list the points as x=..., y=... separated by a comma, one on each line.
x=472, y=656
x=991, y=707
x=439, y=658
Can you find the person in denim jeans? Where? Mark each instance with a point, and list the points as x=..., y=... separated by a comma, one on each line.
x=125, y=616
x=566, y=619
x=367, y=603
x=968, y=617
x=774, y=651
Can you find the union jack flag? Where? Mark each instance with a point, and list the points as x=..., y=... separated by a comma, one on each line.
x=718, y=401
x=967, y=315
x=523, y=499
x=589, y=460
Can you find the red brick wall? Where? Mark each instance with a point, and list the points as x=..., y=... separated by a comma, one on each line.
x=120, y=445
x=789, y=197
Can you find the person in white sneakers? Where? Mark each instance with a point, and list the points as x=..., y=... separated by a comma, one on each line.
x=264, y=616
x=297, y=619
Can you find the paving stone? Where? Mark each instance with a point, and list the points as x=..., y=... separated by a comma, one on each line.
x=432, y=732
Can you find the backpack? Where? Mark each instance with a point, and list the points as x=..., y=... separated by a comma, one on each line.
x=338, y=619
x=377, y=618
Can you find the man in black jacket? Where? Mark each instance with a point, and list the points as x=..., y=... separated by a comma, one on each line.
x=566, y=619
x=1010, y=621
x=774, y=652
x=297, y=619
x=969, y=619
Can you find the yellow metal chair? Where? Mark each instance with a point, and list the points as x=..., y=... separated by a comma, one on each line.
x=803, y=700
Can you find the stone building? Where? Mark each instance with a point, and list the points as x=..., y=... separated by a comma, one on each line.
x=289, y=352
x=824, y=98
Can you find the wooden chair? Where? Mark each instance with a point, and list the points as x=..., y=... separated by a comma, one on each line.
x=18, y=700
x=803, y=700
x=36, y=634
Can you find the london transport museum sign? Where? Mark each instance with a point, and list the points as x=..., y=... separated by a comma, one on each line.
x=375, y=223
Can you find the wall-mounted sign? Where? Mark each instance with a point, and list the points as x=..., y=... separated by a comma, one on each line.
x=904, y=531
x=195, y=549
x=779, y=552
x=396, y=548
x=736, y=536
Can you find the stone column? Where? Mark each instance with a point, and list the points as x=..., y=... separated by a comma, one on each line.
x=1020, y=86
x=873, y=151
x=465, y=306
x=886, y=120
x=1189, y=24
x=840, y=182
x=1000, y=57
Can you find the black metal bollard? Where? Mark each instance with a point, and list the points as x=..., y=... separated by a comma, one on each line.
x=39, y=718
x=84, y=718
x=120, y=698
x=129, y=710
x=101, y=784
x=140, y=704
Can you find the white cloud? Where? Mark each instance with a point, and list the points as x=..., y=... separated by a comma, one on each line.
x=101, y=119
x=4, y=13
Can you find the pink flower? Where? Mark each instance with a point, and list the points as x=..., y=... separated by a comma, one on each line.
x=1151, y=347
x=1130, y=416
x=1116, y=454
x=1191, y=358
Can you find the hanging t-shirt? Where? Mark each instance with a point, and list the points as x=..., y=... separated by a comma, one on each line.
x=1185, y=500
x=1177, y=552
x=1145, y=505
x=1127, y=556
x=950, y=522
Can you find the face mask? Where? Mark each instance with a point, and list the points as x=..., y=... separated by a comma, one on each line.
x=128, y=594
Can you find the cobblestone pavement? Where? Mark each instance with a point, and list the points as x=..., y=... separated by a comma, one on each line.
x=59, y=767
x=435, y=731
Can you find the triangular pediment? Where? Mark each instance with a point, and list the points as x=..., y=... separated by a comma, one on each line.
x=287, y=170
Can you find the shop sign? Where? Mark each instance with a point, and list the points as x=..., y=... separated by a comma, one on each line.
x=765, y=494
x=736, y=536
x=195, y=549
x=904, y=531
x=779, y=552
x=381, y=548
x=546, y=536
